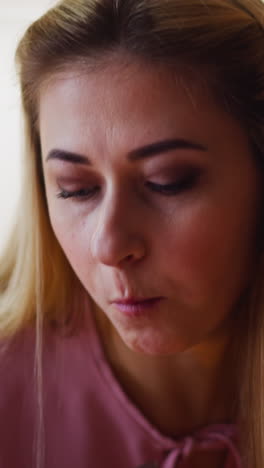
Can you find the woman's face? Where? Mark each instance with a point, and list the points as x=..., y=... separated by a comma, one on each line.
x=166, y=205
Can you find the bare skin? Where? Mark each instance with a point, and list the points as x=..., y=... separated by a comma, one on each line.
x=194, y=247
x=206, y=369
x=179, y=397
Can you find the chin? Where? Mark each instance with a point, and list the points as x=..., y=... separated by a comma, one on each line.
x=154, y=346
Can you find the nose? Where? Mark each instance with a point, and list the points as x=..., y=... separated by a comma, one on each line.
x=118, y=236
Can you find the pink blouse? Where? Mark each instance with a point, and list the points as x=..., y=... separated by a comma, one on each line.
x=89, y=421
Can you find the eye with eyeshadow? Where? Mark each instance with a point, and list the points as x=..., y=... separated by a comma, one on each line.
x=182, y=184
x=186, y=182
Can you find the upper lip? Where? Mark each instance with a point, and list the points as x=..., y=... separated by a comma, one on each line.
x=134, y=300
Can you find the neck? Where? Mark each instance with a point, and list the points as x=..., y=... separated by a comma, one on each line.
x=177, y=393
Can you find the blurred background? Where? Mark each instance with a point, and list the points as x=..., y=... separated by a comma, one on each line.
x=15, y=16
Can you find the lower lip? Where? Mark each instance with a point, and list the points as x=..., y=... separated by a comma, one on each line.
x=139, y=308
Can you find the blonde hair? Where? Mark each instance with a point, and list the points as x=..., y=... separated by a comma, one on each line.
x=224, y=39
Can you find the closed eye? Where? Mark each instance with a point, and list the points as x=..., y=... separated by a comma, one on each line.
x=183, y=184
x=79, y=194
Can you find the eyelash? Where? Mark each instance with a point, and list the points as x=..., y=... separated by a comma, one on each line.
x=184, y=184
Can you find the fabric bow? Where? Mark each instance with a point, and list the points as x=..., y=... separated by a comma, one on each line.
x=213, y=437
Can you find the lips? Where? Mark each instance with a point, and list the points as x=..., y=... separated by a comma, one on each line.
x=134, y=308
x=135, y=301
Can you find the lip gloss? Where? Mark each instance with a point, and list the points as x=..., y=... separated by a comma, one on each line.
x=138, y=308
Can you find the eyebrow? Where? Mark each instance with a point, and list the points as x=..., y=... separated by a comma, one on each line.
x=144, y=152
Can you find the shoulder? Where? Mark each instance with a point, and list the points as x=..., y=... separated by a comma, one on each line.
x=58, y=356
x=17, y=358
x=15, y=350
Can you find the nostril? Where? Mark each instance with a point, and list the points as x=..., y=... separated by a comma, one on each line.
x=130, y=257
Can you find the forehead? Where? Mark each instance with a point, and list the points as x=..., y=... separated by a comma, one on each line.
x=128, y=105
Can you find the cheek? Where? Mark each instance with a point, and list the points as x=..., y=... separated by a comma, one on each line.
x=208, y=255
x=73, y=241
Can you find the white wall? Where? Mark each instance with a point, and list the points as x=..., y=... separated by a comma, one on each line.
x=14, y=19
